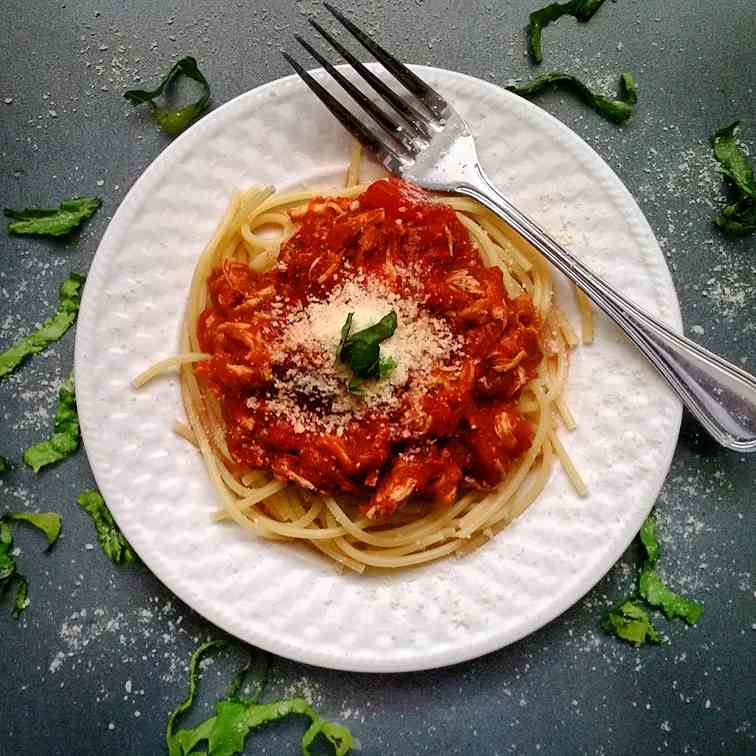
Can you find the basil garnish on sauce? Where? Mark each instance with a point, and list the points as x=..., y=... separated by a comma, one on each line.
x=173, y=122
x=361, y=351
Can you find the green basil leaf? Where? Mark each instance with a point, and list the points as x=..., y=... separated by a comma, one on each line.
x=649, y=540
x=174, y=748
x=5, y=465
x=361, y=350
x=362, y=356
x=227, y=731
x=173, y=122
x=739, y=217
x=582, y=10
x=7, y=560
x=629, y=88
x=657, y=594
x=47, y=522
x=385, y=366
x=70, y=214
x=630, y=622
x=733, y=160
x=65, y=438
x=22, y=597
x=113, y=543
x=354, y=386
x=51, y=330
x=344, y=334
x=617, y=111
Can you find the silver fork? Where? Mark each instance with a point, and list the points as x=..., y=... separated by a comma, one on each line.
x=429, y=144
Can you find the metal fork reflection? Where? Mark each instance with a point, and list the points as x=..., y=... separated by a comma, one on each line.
x=427, y=142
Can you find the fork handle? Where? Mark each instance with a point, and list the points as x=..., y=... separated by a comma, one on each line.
x=719, y=394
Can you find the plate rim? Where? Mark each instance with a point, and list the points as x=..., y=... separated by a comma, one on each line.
x=439, y=658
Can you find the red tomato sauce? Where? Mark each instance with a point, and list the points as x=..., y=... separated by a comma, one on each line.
x=463, y=433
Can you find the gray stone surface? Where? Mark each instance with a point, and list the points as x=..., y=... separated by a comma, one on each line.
x=99, y=657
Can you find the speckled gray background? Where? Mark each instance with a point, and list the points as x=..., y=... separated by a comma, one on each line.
x=99, y=657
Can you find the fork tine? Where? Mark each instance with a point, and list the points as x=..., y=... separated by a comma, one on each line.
x=369, y=106
x=355, y=127
x=426, y=94
x=411, y=115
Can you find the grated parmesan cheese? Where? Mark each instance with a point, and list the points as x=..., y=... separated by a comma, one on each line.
x=310, y=386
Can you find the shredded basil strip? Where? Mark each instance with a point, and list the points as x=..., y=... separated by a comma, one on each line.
x=649, y=541
x=22, y=597
x=59, y=221
x=617, y=111
x=630, y=622
x=52, y=329
x=113, y=543
x=629, y=88
x=582, y=10
x=361, y=351
x=49, y=524
x=173, y=122
x=64, y=440
x=739, y=217
x=227, y=731
x=7, y=560
x=657, y=594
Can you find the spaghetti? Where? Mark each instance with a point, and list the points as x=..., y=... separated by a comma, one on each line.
x=255, y=389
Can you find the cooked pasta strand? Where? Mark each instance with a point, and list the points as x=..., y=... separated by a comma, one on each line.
x=166, y=366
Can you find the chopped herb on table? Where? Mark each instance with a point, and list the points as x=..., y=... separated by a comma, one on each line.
x=629, y=619
x=235, y=718
x=656, y=594
x=49, y=524
x=5, y=465
x=582, y=10
x=618, y=110
x=114, y=544
x=64, y=440
x=739, y=217
x=630, y=622
x=52, y=329
x=70, y=214
x=173, y=122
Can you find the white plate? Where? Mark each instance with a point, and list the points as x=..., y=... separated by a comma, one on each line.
x=277, y=596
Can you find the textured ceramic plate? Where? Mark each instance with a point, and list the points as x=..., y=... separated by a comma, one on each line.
x=280, y=597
